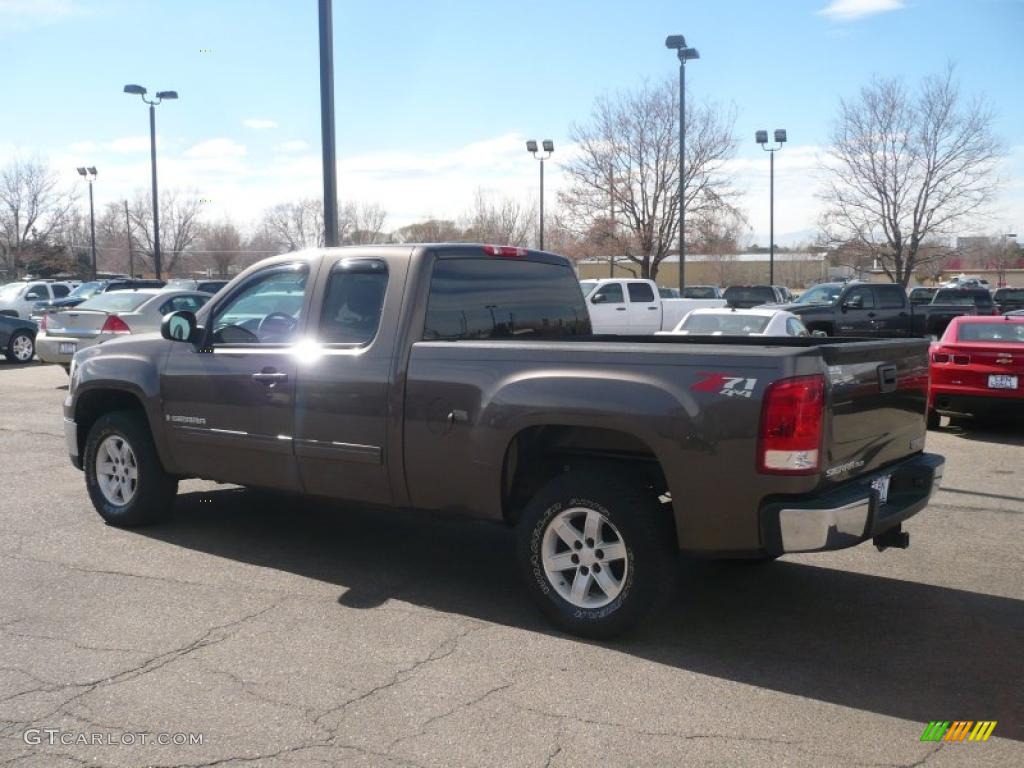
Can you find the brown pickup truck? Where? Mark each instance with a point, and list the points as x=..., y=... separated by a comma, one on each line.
x=465, y=378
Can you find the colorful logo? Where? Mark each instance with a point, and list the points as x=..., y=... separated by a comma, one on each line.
x=958, y=730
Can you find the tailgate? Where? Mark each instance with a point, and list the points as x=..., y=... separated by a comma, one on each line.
x=879, y=397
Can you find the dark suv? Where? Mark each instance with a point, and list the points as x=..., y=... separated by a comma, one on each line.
x=1008, y=299
x=747, y=296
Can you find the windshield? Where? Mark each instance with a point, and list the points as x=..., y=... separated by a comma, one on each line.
x=85, y=290
x=731, y=324
x=11, y=289
x=821, y=294
x=1000, y=331
x=117, y=301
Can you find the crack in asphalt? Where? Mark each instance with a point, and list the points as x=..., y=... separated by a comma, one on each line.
x=146, y=667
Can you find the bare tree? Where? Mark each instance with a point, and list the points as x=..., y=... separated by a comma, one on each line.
x=220, y=246
x=629, y=160
x=904, y=168
x=430, y=231
x=33, y=209
x=179, y=225
x=364, y=223
x=497, y=219
x=721, y=234
x=297, y=225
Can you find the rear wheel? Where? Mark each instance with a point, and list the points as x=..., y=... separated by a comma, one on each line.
x=21, y=347
x=933, y=419
x=596, y=552
x=123, y=474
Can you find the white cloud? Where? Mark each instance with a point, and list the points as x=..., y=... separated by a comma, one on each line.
x=259, y=123
x=851, y=10
x=24, y=14
x=83, y=146
x=216, y=148
x=293, y=146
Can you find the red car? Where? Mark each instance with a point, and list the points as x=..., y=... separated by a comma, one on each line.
x=977, y=368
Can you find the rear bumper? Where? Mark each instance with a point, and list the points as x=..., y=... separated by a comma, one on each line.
x=849, y=514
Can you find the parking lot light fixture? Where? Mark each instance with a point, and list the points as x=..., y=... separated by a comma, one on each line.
x=138, y=90
x=677, y=43
x=761, y=137
x=89, y=174
x=547, y=146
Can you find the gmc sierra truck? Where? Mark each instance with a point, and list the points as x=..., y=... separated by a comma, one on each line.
x=466, y=379
x=882, y=310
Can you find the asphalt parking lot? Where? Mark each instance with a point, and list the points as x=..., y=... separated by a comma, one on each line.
x=289, y=634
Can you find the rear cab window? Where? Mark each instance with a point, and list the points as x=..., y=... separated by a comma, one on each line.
x=890, y=297
x=978, y=297
x=748, y=294
x=503, y=298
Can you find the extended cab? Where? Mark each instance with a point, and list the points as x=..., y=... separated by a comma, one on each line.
x=465, y=379
x=879, y=310
x=634, y=306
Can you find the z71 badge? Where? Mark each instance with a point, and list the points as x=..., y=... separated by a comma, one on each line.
x=723, y=384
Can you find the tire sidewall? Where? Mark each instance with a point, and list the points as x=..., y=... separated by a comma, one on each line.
x=146, y=505
x=633, y=516
x=10, y=347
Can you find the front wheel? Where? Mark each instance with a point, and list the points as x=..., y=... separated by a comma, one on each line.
x=21, y=347
x=123, y=474
x=596, y=552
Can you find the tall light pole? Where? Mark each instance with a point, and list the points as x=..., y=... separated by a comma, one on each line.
x=547, y=146
x=90, y=175
x=762, y=138
x=327, y=124
x=677, y=43
x=160, y=96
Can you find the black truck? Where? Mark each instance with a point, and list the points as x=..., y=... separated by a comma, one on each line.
x=870, y=310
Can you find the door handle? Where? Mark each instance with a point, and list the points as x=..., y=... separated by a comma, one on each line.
x=871, y=314
x=652, y=309
x=269, y=377
x=620, y=309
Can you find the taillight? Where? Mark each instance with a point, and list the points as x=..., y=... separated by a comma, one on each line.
x=115, y=324
x=940, y=357
x=43, y=322
x=504, y=250
x=962, y=359
x=792, y=414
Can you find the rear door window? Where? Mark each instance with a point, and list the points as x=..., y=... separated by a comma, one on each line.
x=481, y=298
x=640, y=293
x=353, y=302
x=890, y=297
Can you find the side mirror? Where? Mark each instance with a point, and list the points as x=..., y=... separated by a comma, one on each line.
x=599, y=298
x=179, y=326
x=37, y=295
x=855, y=302
x=819, y=334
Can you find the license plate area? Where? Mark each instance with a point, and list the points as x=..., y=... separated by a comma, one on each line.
x=1002, y=381
x=68, y=347
x=881, y=486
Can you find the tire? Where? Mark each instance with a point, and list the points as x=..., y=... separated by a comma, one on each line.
x=933, y=419
x=151, y=498
x=630, y=523
x=21, y=347
x=66, y=367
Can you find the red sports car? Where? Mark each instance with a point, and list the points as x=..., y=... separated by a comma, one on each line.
x=977, y=368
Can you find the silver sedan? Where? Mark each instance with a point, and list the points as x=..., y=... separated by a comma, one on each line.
x=106, y=317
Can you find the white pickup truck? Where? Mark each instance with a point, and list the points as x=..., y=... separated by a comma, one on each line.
x=634, y=307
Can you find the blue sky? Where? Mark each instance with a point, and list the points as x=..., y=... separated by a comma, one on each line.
x=435, y=98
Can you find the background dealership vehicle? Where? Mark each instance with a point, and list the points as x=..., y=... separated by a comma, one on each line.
x=921, y=295
x=881, y=310
x=635, y=307
x=701, y=292
x=739, y=322
x=463, y=378
x=106, y=317
x=977, y=368
x=189, y=284
x=17, y=339
x=17, y=299
x=1008, y=299
x=86, y=291
x=747, y=296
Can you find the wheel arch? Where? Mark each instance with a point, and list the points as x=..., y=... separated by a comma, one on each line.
x=93, y=403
